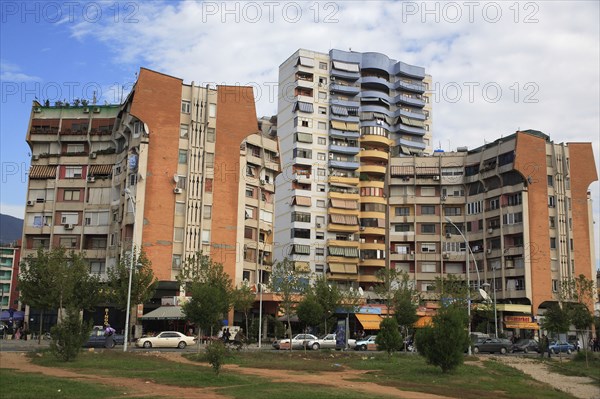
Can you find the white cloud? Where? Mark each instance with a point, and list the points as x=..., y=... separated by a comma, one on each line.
x=543, y=56
x=12, y=73
x=13, y=210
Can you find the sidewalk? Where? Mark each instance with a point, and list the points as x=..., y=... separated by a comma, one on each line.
x=21, y=345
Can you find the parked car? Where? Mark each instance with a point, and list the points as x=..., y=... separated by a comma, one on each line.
x=368, y=343
x=98, y=339
x=299, y=341
x=166, y=339
x=492, y=345
x=560, y=346
x=329, y=342
x=526, y=345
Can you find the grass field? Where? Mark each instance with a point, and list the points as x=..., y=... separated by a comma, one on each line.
x=477, y=378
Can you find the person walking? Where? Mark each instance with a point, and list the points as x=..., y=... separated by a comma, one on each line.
x=109, y=339
x=545, y=346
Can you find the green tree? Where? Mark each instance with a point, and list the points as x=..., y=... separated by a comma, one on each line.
x=389, y=279
x=56, y=279
x=210, y=288
x=405, y=301
x=443, y=343
x=578, y=292
x=69, y=336
x=389, y=338
x=289, y=284
x=243, y=301
x=452, y=289
x=556, y=319
x=143, y=283
x=330, y=297
x=309, y=310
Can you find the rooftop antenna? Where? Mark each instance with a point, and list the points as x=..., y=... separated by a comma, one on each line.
x=94, y=98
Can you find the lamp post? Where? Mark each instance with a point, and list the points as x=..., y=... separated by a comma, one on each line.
x=495, y=311
x=468, y=276
x=131, y=261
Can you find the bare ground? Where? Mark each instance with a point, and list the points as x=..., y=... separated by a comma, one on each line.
x=577, y=386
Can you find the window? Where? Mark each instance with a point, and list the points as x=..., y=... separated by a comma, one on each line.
x=182, y=156
x=68, y=242
x=73, y=172
x=38, y=242
x=428, y=228
x=474, y=207
x=186, y=106
x=427, y=210
x=322, y=110
x=303, y=137
x=428, y=247
x=323, y=96
x=552, y=243
x=320, y=251
x=319, y=235
x=249, y=191
x=402, y=211
x=75, y=148
x=321, y=141
x=300, y=233
x=321, y=156
x=554, y=285
x=323, y=66
x=550, y=181
x=180, y=208
x=205, y=236
x=322, y=80
x=178, y=233
x=403, y=227
x=184, y=131
x=132, y=180
x=514, y=199
x=96, y=218
x=176, y=262
x=494, y=203
x=428, y=267
x=320, y=203
x=452, y=211
x=301, y=217
x=321, y=172
x=208, y=185
x=181, y=181
x=41, y=220
x=249, y=233
x=428, y=191
x=513, y=218
x=97, y=267
x=71, y=195
x=209, y=160
x=212, y=110
x=552, y=222
x=97, y=243
x=322, y=126
x=210, y=134
x=302, y=153
x=207, y=211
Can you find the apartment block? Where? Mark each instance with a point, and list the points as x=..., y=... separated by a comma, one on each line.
x=341, y=116
x=9, y=270
x=169, y=171
x=515, y=214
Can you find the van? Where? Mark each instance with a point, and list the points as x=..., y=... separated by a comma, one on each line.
x=232, y=331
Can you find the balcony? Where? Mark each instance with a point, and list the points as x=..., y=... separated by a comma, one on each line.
x=344, y=164
x=416, y=114
x=376, y=231
x=343, y=180
x=402, y=128
x=372, y=245
x=416, y=87
x=377, y=81
x=376, y=155
x=343, y=228
x=372, y=263
x=352, y=90
x=412, y=101
x=371, y=168
x=344, y=149
x=368, y=278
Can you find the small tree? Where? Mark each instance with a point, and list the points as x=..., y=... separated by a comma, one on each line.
x=288, y=283
x=443, y=343
x=309, y=310
x=556, y=319
x=69, y=336
x=210, y=289
x=389, y=338
x=215, y=354
x=330, y=297
x=243, y=301
x=405, y=302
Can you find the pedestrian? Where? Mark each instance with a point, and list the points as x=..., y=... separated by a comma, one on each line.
x=239, y=338
x=226, y=335
x=545, y=346
x=109, y=339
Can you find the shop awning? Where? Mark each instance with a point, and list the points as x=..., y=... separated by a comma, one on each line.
x=398, y=170
x=424, y=321
x=42, y=172
x=302, y=201
x=17, y=315
x=164, y=313
x=369, y=321
x=522, y=325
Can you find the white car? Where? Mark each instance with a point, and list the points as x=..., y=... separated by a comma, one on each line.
x=298, y=342
x=166, y=339
x=366, y=344
x=329, y=342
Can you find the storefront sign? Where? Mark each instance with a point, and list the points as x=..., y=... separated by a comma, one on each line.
x=518, y=319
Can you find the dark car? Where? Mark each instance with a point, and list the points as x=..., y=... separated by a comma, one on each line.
x=98, y=339
x=492, y=345
x=526, y=345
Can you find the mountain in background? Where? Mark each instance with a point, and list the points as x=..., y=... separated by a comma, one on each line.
x=11, y=229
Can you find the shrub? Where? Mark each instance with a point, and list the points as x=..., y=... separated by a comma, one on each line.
x=69, y=336
x=444, y=343
x=389, y=338
x=215, y=354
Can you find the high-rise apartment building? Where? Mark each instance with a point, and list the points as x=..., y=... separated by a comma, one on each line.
x=341, y=116
x=10, y=257
x=173, y=170
x=519, y=208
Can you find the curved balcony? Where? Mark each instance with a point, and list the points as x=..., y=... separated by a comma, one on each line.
x=368, y=278
x=409, y=129
x=345, y=103
x=343, y=228
x=371, y=107
x=372, y=215
x=409, y=143
x=416, y=114
x=372, y=200
x=375, y=139
x=375, y=184
x=412, y=101
x=352, y=90
x=343, y=134
x=343, y=180
x=414, y=87
x=377, y=94
x=376, y=155
x=352, y=165
x=366, y=168
x=344, y=149
x=412, y=71
x=344, y=74
x=374, y=80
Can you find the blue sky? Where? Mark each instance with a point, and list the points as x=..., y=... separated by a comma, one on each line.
x=497, y=66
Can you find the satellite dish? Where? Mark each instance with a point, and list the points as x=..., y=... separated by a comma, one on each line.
x=176, y=178
x=484, y=294
x=146, y=129
x=360, y=291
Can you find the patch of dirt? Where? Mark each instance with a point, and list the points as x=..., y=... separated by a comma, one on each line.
x=580, y=387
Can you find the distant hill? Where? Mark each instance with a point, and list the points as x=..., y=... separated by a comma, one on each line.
x=11, y=229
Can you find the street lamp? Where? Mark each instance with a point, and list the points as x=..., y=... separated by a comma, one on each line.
x=468, y=276
x=131, y=261
x=486, y=297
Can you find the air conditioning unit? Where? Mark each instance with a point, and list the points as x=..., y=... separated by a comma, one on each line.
x=489, y=251
x=37, y=109
x=30, y=203
x=318, y=225
x=490, y=230
x=448, y=235
x=91, y=179
x=93, y=155
x=412, y=252
x=96, y=110
x=69, y=226
x=443, y=198
x=86, y=110
x=436, y=178
x=330, y=156
x=446, y=256
x=263, y=182
x=35, y=157
x=177, y=190
x=362, y=228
